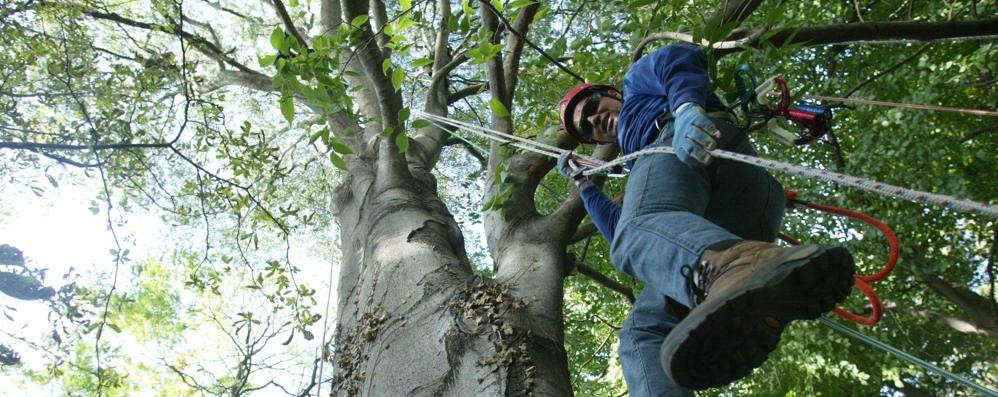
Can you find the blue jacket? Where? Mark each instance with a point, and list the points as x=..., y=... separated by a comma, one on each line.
x=657, y=83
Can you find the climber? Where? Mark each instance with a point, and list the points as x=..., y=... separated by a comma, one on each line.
x=696, y=231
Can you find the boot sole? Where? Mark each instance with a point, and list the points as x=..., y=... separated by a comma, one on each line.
x=725, y=338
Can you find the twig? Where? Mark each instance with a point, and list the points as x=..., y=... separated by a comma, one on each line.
x=207, y=47
x=530, y=43
x=64, y=146
x=892, y=68
x=67, y=161
x=288, y=23
x=975, y=133
x=991, y=267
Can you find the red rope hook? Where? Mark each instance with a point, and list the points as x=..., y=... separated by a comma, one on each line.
x=861, y=282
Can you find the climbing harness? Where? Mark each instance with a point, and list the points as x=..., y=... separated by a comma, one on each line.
x=861, y=282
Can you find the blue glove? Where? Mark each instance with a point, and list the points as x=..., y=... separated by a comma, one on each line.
x=571, y=169
x=695, y=135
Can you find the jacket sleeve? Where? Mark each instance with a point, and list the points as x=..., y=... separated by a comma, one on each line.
x=603, y=211
x=678, y=72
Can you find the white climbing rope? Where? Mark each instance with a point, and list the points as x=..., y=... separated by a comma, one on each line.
x=944, y=201
x=951, y=202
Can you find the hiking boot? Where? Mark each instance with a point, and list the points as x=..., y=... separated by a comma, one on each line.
x=744, y=296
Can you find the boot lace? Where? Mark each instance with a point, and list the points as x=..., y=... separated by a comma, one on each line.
x=698, y=278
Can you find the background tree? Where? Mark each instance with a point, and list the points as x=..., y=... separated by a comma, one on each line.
x=173, y=106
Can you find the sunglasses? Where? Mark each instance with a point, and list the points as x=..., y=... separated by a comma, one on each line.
x=589, y=108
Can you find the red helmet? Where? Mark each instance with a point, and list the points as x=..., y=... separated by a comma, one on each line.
x=571, y=98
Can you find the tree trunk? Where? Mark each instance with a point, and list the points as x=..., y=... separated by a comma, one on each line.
x=414, y=319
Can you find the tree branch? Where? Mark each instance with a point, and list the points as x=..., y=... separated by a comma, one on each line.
x=728, y=45
x=204, y=46
x=975, y=133
x=254, y=81
x=379, y=16
x=991, y=268
x=734, y=12
x=282, y=12
x=982, y=312
x=514, y=46
x=429, y=141
x=892, y=68
x=67, y=161
x=371, y=57
x=605, y=281
x=467, y=146
x=877, y=32
x=60, y=146
x=531, y=44
x=464, y=93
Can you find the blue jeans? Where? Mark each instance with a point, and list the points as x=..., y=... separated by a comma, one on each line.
x=671, y=214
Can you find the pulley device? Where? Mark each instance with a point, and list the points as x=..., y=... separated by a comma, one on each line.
x=770, y=103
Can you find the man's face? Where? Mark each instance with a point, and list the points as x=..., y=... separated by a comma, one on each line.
x=596, y=116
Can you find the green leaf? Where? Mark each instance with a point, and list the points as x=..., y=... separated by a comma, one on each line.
x=498, y=108
x=404, y=115
x=338, y=161
x=323, y=133
x=387, y=64
x=339, y=147
x=421, y=62
x=523, y=3
x=497, y=4
x=359, y=21
x=397, y=76
x=420, y=123
x=287, y=107
x=267, y=60
x=402, y=141
x=388, y=131
x=639, y=3
x=277, y=38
